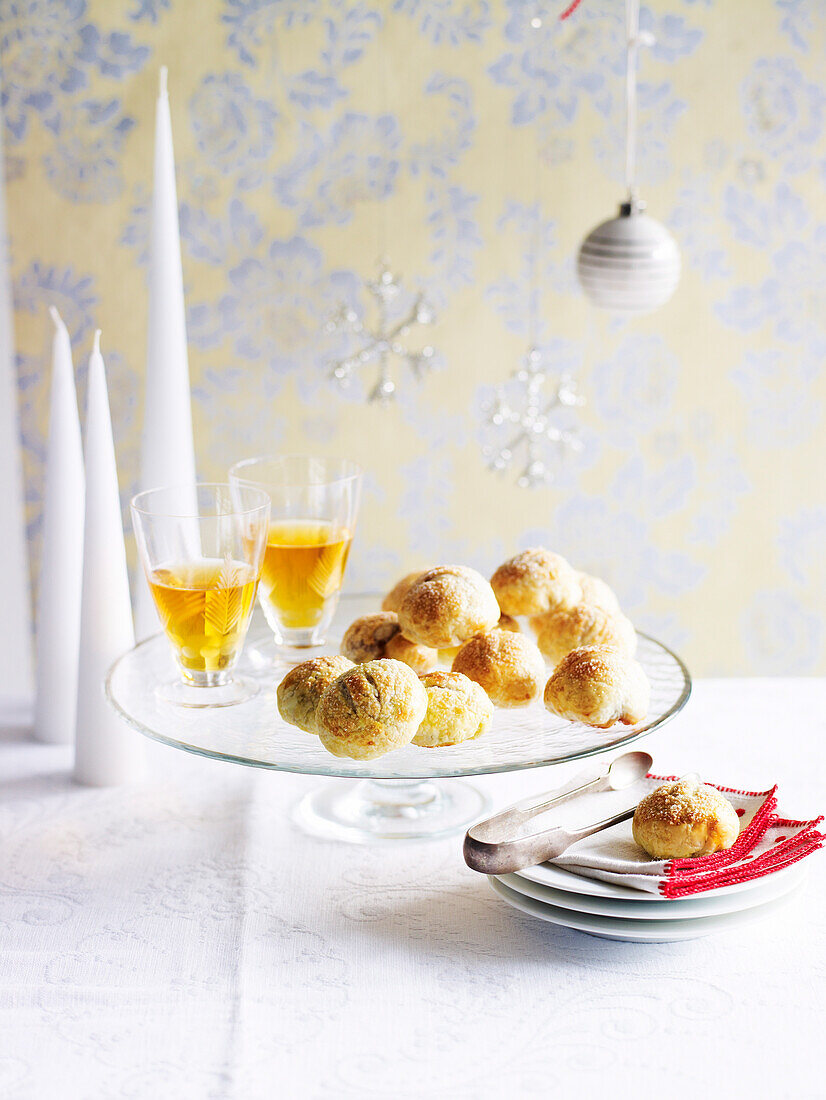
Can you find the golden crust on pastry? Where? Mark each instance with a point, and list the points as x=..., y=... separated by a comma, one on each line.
x=684, y=819
x=598, y=685
x=447, y=605
x=366, y=638
x=508, y=666
x=299, y=693
x=595, y=591
x=420, y=658
x=457, y=710
x=371, y=709
x=558, y=632
x=536, y=581
x=507, y=622
x=393, y=600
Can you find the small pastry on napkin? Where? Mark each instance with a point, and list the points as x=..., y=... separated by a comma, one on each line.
x=767, y=842
x=684, y=819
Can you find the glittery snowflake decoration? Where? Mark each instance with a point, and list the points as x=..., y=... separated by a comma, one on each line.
x=396, y=312
x=527, y=421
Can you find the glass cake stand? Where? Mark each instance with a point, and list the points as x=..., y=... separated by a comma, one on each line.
x=398, y=796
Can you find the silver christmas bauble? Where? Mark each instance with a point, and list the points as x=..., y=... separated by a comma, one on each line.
x=629, y=264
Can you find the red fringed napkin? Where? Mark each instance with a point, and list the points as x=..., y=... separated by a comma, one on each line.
x=768, y=842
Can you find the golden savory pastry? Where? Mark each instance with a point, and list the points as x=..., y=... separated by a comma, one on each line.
x=457, y=710
x=558, y=632
x=508, y=666
x=684, y=819
x=420, y=658
x=599, y=686
x=372, y=637
x=365, y=638
x=371, y=709
x=299, y=693
x=446, y=605
x=506, y=622
x=598, y=593
x=536, y=581
x=393, y=600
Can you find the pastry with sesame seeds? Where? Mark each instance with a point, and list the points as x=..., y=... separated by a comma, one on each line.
x=685, y=819
x=598, y=685
x=447, y=605
x=535, y=581
x=371, y=709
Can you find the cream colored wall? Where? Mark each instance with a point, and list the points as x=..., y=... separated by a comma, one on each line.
x=313, y=137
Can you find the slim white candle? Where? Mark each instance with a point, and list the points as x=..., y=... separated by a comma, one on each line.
x=107, y=752
x=16, y=666
x=168, y=453
x=61, y=563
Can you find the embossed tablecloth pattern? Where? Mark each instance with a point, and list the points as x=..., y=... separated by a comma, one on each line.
x=185, y=940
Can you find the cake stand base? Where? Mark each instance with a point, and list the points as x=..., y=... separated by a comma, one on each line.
x=390, y=809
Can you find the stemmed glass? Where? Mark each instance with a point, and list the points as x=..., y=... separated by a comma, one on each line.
x=314, y=504
x=202, y=548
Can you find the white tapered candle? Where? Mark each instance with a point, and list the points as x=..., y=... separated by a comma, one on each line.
x=107, y=752
x=61, y=562
x=167, y=450
x=16, y=664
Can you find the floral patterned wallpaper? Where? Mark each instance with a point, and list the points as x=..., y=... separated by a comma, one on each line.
x=474, y=150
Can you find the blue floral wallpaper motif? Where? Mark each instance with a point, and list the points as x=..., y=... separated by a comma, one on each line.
x=471, y=143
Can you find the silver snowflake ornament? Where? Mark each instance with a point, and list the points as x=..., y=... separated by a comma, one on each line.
x=383, y=342
x=527, y=421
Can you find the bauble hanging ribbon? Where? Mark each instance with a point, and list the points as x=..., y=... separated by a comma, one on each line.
x=630, y=263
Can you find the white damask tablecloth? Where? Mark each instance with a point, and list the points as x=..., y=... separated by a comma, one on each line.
x=184, y=940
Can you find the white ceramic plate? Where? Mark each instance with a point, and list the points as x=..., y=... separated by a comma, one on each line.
x=558, y=879
x=634, y=931
x=713, y=903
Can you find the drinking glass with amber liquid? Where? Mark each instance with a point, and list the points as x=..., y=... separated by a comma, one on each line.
x=314, y=504
x=202, y=550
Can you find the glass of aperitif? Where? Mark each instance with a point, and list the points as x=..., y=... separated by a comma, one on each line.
x=314, y=505
x=202, y=550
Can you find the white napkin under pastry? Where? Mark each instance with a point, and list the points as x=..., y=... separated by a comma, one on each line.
x=768, y=842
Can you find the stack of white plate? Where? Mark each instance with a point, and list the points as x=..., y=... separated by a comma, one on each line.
x=620, y=913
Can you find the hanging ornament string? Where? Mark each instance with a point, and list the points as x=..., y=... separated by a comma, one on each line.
x=630, y=263
x=632, y=30
x=535, y=247
x=634, y=39
x=527, y=424
x=380, y=341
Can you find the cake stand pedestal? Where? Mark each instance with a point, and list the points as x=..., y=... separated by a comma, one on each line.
x=391, y=809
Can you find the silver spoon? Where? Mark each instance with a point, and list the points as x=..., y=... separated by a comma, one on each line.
x=498, y=845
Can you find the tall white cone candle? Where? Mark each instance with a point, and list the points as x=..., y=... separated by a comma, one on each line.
x=107, y=752
x=168, y=452
x=16, y=664
x=61, y=563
